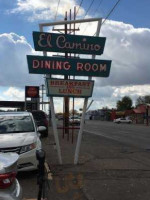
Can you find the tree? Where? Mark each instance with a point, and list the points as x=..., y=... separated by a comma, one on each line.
x=124, y=104
x=143, y=100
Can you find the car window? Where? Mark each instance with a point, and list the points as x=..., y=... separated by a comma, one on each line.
x=74, y=118
x=16, y=124
x=38, y=115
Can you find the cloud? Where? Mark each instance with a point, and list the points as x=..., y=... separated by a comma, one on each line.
x=13, y=67
x=45, y=9
x=14, y=94
x=128, y=48
x=108, y=96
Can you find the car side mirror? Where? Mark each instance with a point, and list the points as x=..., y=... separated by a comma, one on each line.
x=41, y=128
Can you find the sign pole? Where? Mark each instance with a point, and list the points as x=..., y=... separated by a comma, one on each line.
x=77, y=150
x=55, y=132
x=66, y=99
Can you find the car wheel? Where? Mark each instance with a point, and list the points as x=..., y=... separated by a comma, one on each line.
x=118, y=122
x=129, y=122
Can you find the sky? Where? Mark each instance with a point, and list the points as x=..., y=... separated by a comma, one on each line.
x=127, y=33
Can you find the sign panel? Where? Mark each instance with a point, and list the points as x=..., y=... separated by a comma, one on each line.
x=68, y=43
x=72, y=88
x=32, y=91
x=68, y=66
x=30, y=106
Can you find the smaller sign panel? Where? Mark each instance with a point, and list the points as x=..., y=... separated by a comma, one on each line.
x=72, y=88
x=32, y=91
x=80, y=44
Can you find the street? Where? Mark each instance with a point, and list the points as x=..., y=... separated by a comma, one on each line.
x=114, y=164
x=131, y=134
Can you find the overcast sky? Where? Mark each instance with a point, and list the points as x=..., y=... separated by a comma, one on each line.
x=127, y=35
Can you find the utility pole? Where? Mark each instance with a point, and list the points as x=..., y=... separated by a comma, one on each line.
x=66, y=99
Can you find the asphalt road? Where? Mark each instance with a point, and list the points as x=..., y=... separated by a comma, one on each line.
x=130, y=134
x=112, y=163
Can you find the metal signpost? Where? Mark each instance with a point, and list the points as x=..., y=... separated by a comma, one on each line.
x=77, y=150
x=69, y=66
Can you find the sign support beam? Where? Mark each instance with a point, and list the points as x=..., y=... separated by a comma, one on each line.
x=51, y=103
x=69, y=22
x=77, y=150
x=55, y=130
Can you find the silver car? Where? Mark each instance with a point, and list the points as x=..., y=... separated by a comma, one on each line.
x=9, y=185
x=19, y=134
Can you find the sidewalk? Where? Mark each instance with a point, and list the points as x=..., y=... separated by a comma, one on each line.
x=107, y=170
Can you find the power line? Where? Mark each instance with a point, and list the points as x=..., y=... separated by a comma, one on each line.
x=94, y=12
x=57, y=10
x=98, y=6
x=89, y=8
x=79, y=7
x=111, y=11
x=87, y=11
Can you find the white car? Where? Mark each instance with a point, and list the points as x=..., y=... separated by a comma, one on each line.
x=74, y=120
x=19, y=134
x=9, y=186
x=123, y=120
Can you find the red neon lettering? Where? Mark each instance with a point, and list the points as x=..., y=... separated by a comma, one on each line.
x=35, y=64
x=47, y=64
x=95, y=67
x=66, y=66
x=52, y=82
x=79, y=67
x=58, y=65
x=102, y=67
x=87, y=66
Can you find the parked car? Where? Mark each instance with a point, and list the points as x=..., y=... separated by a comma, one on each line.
x=18, y=133
x=123, y=120
x=9, y=185
x=74, y=120
x=40, y=118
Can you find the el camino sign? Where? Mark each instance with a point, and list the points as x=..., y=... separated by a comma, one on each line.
x=72, y=88
x=68, y=66
x=53, y=42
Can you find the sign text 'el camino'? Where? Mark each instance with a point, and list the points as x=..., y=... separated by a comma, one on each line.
x=68, y=66
x=72, y=88
x=53, y=42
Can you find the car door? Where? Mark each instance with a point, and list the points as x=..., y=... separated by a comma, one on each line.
x=123, y=120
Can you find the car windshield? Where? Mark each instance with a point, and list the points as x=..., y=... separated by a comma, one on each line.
x=16, y=124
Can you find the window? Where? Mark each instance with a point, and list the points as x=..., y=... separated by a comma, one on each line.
x=16, y=124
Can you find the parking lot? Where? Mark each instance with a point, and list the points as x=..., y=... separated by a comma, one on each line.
x=108, y=168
